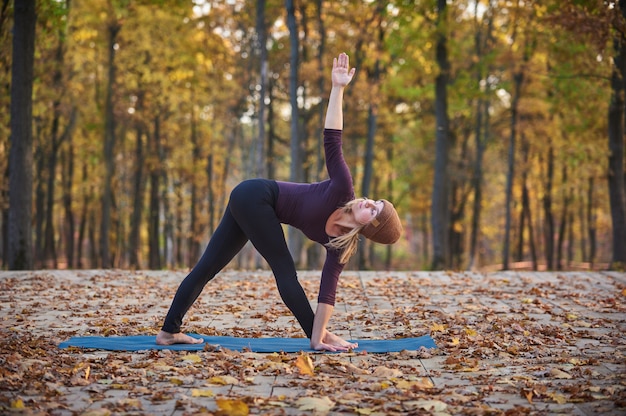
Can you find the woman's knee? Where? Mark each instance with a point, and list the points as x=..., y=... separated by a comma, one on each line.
x=242, y=193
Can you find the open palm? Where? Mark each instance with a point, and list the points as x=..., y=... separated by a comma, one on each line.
x=342, y=74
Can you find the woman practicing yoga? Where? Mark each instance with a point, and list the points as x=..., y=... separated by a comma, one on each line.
x=326, y=212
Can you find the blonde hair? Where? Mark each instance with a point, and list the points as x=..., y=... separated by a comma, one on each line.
x=347, y=243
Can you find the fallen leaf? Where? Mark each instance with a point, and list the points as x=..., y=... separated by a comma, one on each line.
x=192, y=358
x=223, y=380
x=18, y=404
x=558, y=398
x=305, y=365
x=422, y=383
x=560, y=374
x=228, y=407
x=318, y=405
x=202, y=393
x=437, y=328
x=385, y=372
x=435, y=406
x=470, y=332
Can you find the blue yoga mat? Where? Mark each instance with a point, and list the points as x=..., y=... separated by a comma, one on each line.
x=267, y=345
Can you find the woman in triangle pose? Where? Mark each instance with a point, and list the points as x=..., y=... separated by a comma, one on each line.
x=326, y=212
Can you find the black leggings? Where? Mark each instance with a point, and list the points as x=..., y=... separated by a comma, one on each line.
x=250, y=215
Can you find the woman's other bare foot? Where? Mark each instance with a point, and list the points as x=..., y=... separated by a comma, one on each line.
x=165, y=338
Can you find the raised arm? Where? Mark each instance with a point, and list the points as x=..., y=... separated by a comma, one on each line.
x=341, y=76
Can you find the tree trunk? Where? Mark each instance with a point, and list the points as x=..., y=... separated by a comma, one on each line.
x=193, y=243
x=20, y=248
x=138, y=193
x=295, y=236
x=565, y=213
x=113, y=29
x=547, y=212
x=271, y=134
x=5, y=221
x=518, y=79
x=40, y=200
x=369, y=162
x=84, y=218
x=70, y=226
x=261, y=32
x=616, y=181
x=591, y=222
x=321, y=85
x=154, y=256
x=440, y=195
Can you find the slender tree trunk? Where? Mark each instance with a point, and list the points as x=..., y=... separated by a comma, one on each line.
x=321, y=82
x=93, y=242
x=583, y=225
x=49, y=249
x=591, y=223
x=70, y=226
x=261, y=32
x=109, y=145
x=193, y=242
x=617, y=197
x=440, y=195
x=178, y=212
x=138, y=193
x=271, y=134
x=527, y=214
x=84, y=215
x=518, y=79
x=547, y=211
x=40, y=200
x=154, y=256
x=5, y=221
x=20, y=248
x=295, y=236
x=369, y=162
x=296, y=157
x=565, y=213
x=168, y=226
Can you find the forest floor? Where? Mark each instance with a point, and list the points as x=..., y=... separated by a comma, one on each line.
x=509, y=343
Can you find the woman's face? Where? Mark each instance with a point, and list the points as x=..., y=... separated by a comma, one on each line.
x=365, y=210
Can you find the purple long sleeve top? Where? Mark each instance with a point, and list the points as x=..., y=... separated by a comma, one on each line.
x=307, y=206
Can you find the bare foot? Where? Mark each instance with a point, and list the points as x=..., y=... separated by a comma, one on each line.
x=165, y=338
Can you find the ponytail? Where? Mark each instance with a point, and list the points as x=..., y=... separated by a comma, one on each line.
x=346, y=243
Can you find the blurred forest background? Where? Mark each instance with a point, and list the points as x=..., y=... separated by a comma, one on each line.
x=495, y=126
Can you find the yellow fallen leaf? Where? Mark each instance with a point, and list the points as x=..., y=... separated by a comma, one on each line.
x=192, y=358
x=202, y=393
x=223, y=380
x=420, y=384
x=437, y=328
x=177, y=381
x=317, y=404
x=471, y=332
x=558, y=398
x=18, y=404
x=228, y=407
x=305, y=365
x=624, y=292
x=572, y=316
x=455, y=341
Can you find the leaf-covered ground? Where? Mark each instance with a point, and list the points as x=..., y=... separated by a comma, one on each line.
x=509, y=343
